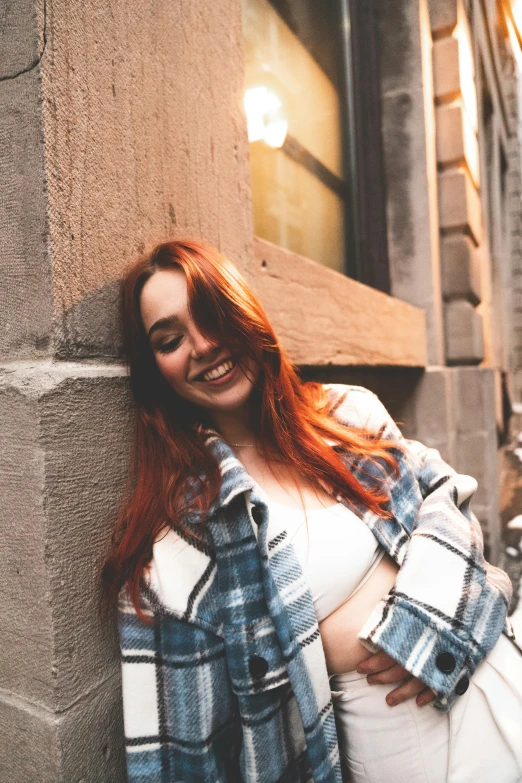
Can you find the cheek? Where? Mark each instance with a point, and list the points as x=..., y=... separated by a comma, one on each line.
x=171, y=367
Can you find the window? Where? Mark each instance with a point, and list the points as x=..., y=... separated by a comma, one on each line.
x=312, y=101
x=298, y=187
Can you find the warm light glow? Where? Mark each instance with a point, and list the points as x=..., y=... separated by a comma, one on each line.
x=516, y=8
x=467, y=75
x=265, y=116
x=275, y=133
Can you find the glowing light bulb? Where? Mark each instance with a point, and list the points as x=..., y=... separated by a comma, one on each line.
x=265, y=116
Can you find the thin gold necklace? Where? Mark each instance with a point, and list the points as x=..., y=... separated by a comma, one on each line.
x=240, y=445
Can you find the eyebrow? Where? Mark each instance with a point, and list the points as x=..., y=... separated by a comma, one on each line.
x=163, y=323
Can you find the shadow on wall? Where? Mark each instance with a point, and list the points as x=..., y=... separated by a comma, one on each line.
x=393, y=385
x=92, y=327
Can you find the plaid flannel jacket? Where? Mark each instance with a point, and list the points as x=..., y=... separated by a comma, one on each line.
x=229, y=683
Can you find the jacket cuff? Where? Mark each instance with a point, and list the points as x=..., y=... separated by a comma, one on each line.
x=435, y=655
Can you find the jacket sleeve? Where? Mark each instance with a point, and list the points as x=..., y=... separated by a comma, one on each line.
x=179, y=714
x=448, y=606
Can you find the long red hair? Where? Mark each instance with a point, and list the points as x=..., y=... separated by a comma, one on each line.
x=170, y=459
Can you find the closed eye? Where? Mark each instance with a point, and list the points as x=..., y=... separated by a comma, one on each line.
x=170, y=346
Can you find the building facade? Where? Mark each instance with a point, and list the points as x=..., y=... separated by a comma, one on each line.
x=360, y=165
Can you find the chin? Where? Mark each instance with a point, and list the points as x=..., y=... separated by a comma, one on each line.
x=233, y=401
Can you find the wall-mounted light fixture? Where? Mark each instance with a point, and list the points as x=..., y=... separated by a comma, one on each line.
x=266, y=120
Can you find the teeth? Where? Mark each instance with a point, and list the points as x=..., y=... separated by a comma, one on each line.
x=217, y=372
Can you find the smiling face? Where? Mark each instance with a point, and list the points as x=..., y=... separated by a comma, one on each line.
x=201, y=371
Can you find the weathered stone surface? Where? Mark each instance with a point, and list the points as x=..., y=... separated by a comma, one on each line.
x=456, y=140
x=430, y=411
x=346, y=322
x=25, y=596
x=446, y=77
x=400, y=42
x=139, y=147
x=29, y=750
x=92, y=738
x=410, y=163
x=476, y=455
x=66, y=432
x=25, y=296
x=83, y=744
x=474, y=401
x=459, y=203
x=443, y=15
x=22, y=25
x=460, y=267
x=464, y=333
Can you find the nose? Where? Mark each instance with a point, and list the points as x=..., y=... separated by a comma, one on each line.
x=200, y=345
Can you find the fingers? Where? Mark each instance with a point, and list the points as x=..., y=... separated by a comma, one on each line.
x=377, y=662
x=395, y=673
x=382, y=669
x=425, y=697
x=407, y=690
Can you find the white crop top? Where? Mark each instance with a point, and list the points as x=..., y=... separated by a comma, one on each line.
x=337, y=552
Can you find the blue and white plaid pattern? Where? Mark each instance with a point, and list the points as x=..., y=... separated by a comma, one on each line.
x=230, y=683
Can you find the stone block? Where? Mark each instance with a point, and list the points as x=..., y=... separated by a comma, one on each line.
x=21, y=37
x=24, y=597
x=460, y=268
x=411, y=203
x=456, y=140
x=85, y=429
x=66, y=433
x=443, y=16
x=92, y=737
x=85, y=743
x=431, y=405
x=459, y=203
x=446, y=74
x=463, y=332
x=476, y=455
x=25, y=296
x=349, y=324
x=29, y=750
x=474, y=400
x=400, y=44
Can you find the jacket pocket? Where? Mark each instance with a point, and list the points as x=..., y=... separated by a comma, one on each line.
x=254, y=657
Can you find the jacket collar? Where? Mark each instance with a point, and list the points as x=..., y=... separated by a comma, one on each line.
x=234, y=477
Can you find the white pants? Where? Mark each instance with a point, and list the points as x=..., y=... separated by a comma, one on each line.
x=478, y=741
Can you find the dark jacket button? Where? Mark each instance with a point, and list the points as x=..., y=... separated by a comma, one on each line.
x=257, y=516
x=258, y=666
x=445, y=662
x=462, y=686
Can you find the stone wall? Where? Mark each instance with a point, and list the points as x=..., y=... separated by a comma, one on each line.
x=117, y=130
x=121, y=129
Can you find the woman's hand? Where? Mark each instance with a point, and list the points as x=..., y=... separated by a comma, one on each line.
x=382, y=668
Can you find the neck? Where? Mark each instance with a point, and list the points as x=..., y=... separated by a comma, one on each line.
x=235, y=426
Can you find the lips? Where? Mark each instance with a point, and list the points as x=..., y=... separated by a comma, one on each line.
x=227, y=363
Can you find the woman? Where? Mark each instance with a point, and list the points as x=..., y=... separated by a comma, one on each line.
x=280, y=534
